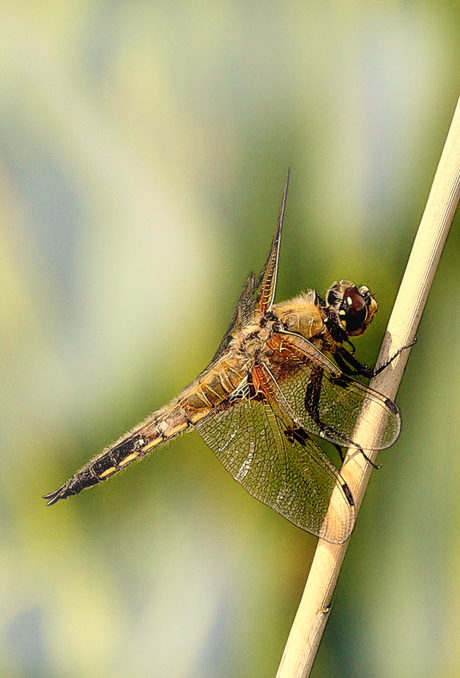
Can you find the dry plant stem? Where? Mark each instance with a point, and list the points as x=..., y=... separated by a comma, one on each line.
x=314, y=608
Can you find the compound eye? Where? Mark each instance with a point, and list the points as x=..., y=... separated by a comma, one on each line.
x=353, y=310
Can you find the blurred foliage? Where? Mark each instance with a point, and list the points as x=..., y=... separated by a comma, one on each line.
x=143, y=149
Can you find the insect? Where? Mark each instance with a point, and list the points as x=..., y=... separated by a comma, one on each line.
x=281, y=373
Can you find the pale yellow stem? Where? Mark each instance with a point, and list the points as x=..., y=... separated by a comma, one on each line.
x=314, y=608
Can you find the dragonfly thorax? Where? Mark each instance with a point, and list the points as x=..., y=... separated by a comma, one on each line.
x=251, y=339
x=303, y=314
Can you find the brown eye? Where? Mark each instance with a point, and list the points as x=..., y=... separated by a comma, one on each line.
x=354, y=310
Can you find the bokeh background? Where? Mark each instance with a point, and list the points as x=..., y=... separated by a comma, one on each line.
x=143, y=150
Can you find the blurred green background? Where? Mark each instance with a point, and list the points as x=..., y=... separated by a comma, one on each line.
x=143, y=150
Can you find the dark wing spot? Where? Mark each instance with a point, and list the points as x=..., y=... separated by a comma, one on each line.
x=348, y=494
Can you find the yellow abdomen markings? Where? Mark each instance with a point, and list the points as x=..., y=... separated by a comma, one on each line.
x=199, y=400
x=128, y=459
x=153, y=443
x=164, y=432
x=191, y=406
x=108, y=472
x=197, y=416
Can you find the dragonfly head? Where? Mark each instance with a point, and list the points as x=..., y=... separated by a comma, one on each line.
x=351, y=307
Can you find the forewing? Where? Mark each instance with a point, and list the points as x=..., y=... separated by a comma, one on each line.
x=242, y=313
x=266, y=282
x=256, y=297
x=284, y=470
x=330, y=406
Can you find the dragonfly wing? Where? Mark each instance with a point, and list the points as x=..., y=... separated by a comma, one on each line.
x=266, y=283
x=330, y=405
x=256, y=297
x=242, y=313
x=278, y=464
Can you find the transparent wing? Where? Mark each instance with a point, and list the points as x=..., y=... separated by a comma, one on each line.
x=330, y=405
x=256, y=297
x=278, y=464
x=266, y=283
x=242, y=313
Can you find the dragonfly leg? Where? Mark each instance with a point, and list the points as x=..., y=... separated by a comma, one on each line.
x=312, y=397
x=340, y=450
x=352, y=366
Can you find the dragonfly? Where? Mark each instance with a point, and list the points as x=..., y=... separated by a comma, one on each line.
x=282, y=373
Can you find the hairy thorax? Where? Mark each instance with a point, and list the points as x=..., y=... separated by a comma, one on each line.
x=303, y=314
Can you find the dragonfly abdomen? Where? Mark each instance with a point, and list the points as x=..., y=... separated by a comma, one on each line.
x=106, y=464
x=160, y=427
x=191, y=406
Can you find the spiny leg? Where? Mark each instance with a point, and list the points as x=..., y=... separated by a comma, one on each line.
x=312, y=397
x=352, y=366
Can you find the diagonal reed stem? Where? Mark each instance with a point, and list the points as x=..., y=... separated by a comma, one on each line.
x=313, y=612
